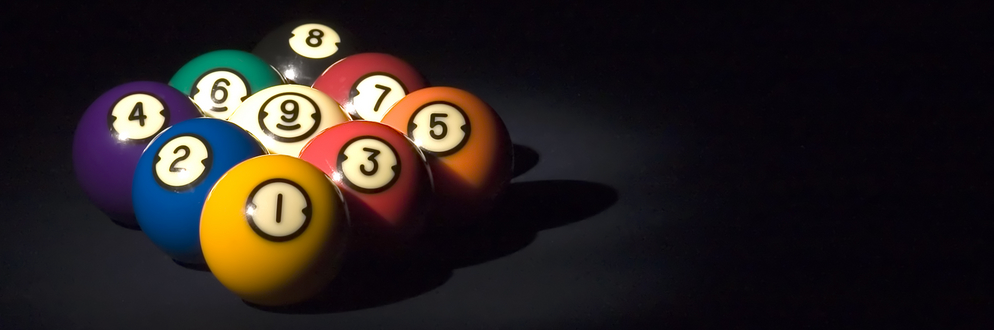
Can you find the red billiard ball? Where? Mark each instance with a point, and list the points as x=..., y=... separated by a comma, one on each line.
x=383, y=176
x=368, y=84
x=467, y=146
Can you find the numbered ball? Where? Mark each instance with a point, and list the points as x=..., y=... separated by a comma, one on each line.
x=112, y=134
x=301, y=50
x=382, y=174
x=285, y=117
x=467, y=144
x=175, y=175
x=219, y=81
x=273, y=230
x=368, y=84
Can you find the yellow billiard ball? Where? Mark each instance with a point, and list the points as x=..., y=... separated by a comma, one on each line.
x=273, y=230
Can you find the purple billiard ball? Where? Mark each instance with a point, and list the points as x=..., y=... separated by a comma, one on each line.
x=112, y=134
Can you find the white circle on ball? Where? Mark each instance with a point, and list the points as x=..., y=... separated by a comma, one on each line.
x=289, y=117
x=314, y=40
x=218, y=93
x=278, y=209
x=182, y=162
x=369, y=164
x=138, y=116
x=374, y=95
x=440, y=128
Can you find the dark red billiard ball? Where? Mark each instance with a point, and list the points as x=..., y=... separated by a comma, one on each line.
x=382, y=175
x=368, y=84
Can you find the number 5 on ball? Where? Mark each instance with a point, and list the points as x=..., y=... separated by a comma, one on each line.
x=467, y=146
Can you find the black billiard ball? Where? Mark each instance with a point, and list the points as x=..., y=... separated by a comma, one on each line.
x=301, y=50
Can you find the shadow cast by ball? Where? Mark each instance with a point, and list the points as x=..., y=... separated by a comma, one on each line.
x=525, y=158
x=192, y=266
x=525, y=209
x=367, y=281
x=126, y=224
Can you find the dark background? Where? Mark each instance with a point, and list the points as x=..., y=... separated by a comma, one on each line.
x=704, y=165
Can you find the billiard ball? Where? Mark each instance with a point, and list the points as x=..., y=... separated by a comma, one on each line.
x=274, y=229
x=383, y=176
x=220, y=80
x=112, y=134
x=174, y=176
x=302, y=49
x=467, y=146
x=285, y=117
x=368, y=84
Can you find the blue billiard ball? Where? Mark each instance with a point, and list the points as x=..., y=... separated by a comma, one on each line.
x=174, y=175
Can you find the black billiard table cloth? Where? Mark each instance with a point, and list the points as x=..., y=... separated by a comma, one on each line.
x=675, y=165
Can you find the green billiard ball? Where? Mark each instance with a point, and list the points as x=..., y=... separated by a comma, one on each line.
x=220, y=80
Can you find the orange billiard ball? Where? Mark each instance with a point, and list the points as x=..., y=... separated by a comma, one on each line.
x=467, y=146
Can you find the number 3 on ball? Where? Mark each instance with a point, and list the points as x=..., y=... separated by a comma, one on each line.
x=369, y=164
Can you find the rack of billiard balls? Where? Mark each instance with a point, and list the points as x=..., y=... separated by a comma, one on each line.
x=266, y=166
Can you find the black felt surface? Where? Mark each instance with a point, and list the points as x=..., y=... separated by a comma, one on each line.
x=678, y=165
